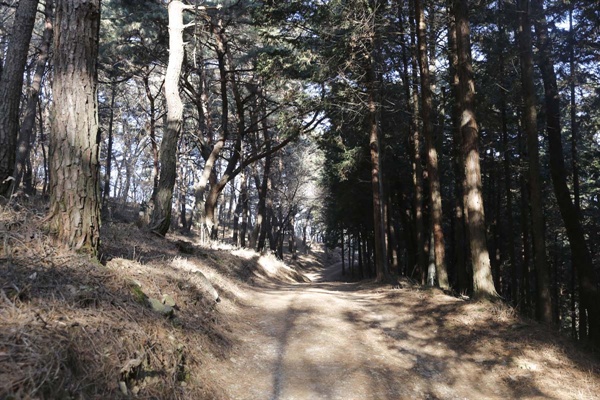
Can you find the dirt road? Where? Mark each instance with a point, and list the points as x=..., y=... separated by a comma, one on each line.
x=334, y=340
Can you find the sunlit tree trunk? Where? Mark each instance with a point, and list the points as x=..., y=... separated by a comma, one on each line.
x=217, y=148
x=582, y=258
x=74, y=215
x=483, y=284
x=109, y=146
x=262, y=224
x=544, y=301
x=161, y=215
x=435, y=193
x=11, y=83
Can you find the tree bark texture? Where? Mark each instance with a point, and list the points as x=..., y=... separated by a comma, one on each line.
x=74, y=215
x=24, y=137
x=209, y=165
x=11, y=83
x=161, y=215
x=544, y=301
x=435, y=193
x=417, y=165
x=376, y=184
x=582, y=259
x=460, y=265
x=483, y=284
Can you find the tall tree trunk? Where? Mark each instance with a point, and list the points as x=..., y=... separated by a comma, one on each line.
x=74, y=215
x=417, y=166
x=544, y=310
x=582, y=258
x=574, y=160
x=11, y=83
x=42, y=145
x=245, y=208
x=523, y=272
x=381, y=269
x=109, y=146
x=342, y=252
x=483, y=284
x=152, y=133
x=210, y=161
x=230, y=170
x=264, y=193
x=460, y=249
x=24, y=138
x=514, y=290
x=435, y=194
x=161, y=215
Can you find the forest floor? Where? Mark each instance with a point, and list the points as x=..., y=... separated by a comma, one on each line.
x=333, y=340
x=144, y=325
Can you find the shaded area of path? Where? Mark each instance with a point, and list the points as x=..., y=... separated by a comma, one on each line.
x=334, y=340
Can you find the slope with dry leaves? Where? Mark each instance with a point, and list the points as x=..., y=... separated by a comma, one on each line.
x=145, y=325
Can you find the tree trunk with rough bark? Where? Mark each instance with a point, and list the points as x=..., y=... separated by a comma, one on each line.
x=483, y=284
x=435, y=193
x=24, y=138
x=11, y=83
x=544, y=310
x=417, y=166
x=217, y=148
x=74, y=215
x=459, y=245
x=582, y=258
x=161, y=215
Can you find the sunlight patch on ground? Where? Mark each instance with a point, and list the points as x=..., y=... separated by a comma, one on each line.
x=244, y=253
x=270, y=264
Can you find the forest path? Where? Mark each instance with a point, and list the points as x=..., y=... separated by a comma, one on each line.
x=335, y=340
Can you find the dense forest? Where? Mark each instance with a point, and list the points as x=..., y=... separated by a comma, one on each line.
x=455, y=143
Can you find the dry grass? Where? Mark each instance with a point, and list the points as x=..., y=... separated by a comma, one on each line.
x=73, y=328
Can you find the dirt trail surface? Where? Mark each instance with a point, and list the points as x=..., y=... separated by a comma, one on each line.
x=146, y=325
x=335, y=340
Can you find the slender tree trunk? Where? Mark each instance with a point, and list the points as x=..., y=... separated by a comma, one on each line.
x=458, y=166
x=11, y=83
x=343, y=258
x=152, y=133
x=412, y=92
x=263, y=195
x=435, y=193
x=544, y=310
x=210, y=162
x=483, y=284
x=44, y=155
x=574, y=158
x=523, y=273
x=245, y=208
x=381, y=269
x=161, y=215
x=230, y=170
x=590, y=295
x=24, y=138
x=361, y=256
x=238, y=213
x=109, y=147
x=74, y=215
x=514, y=290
